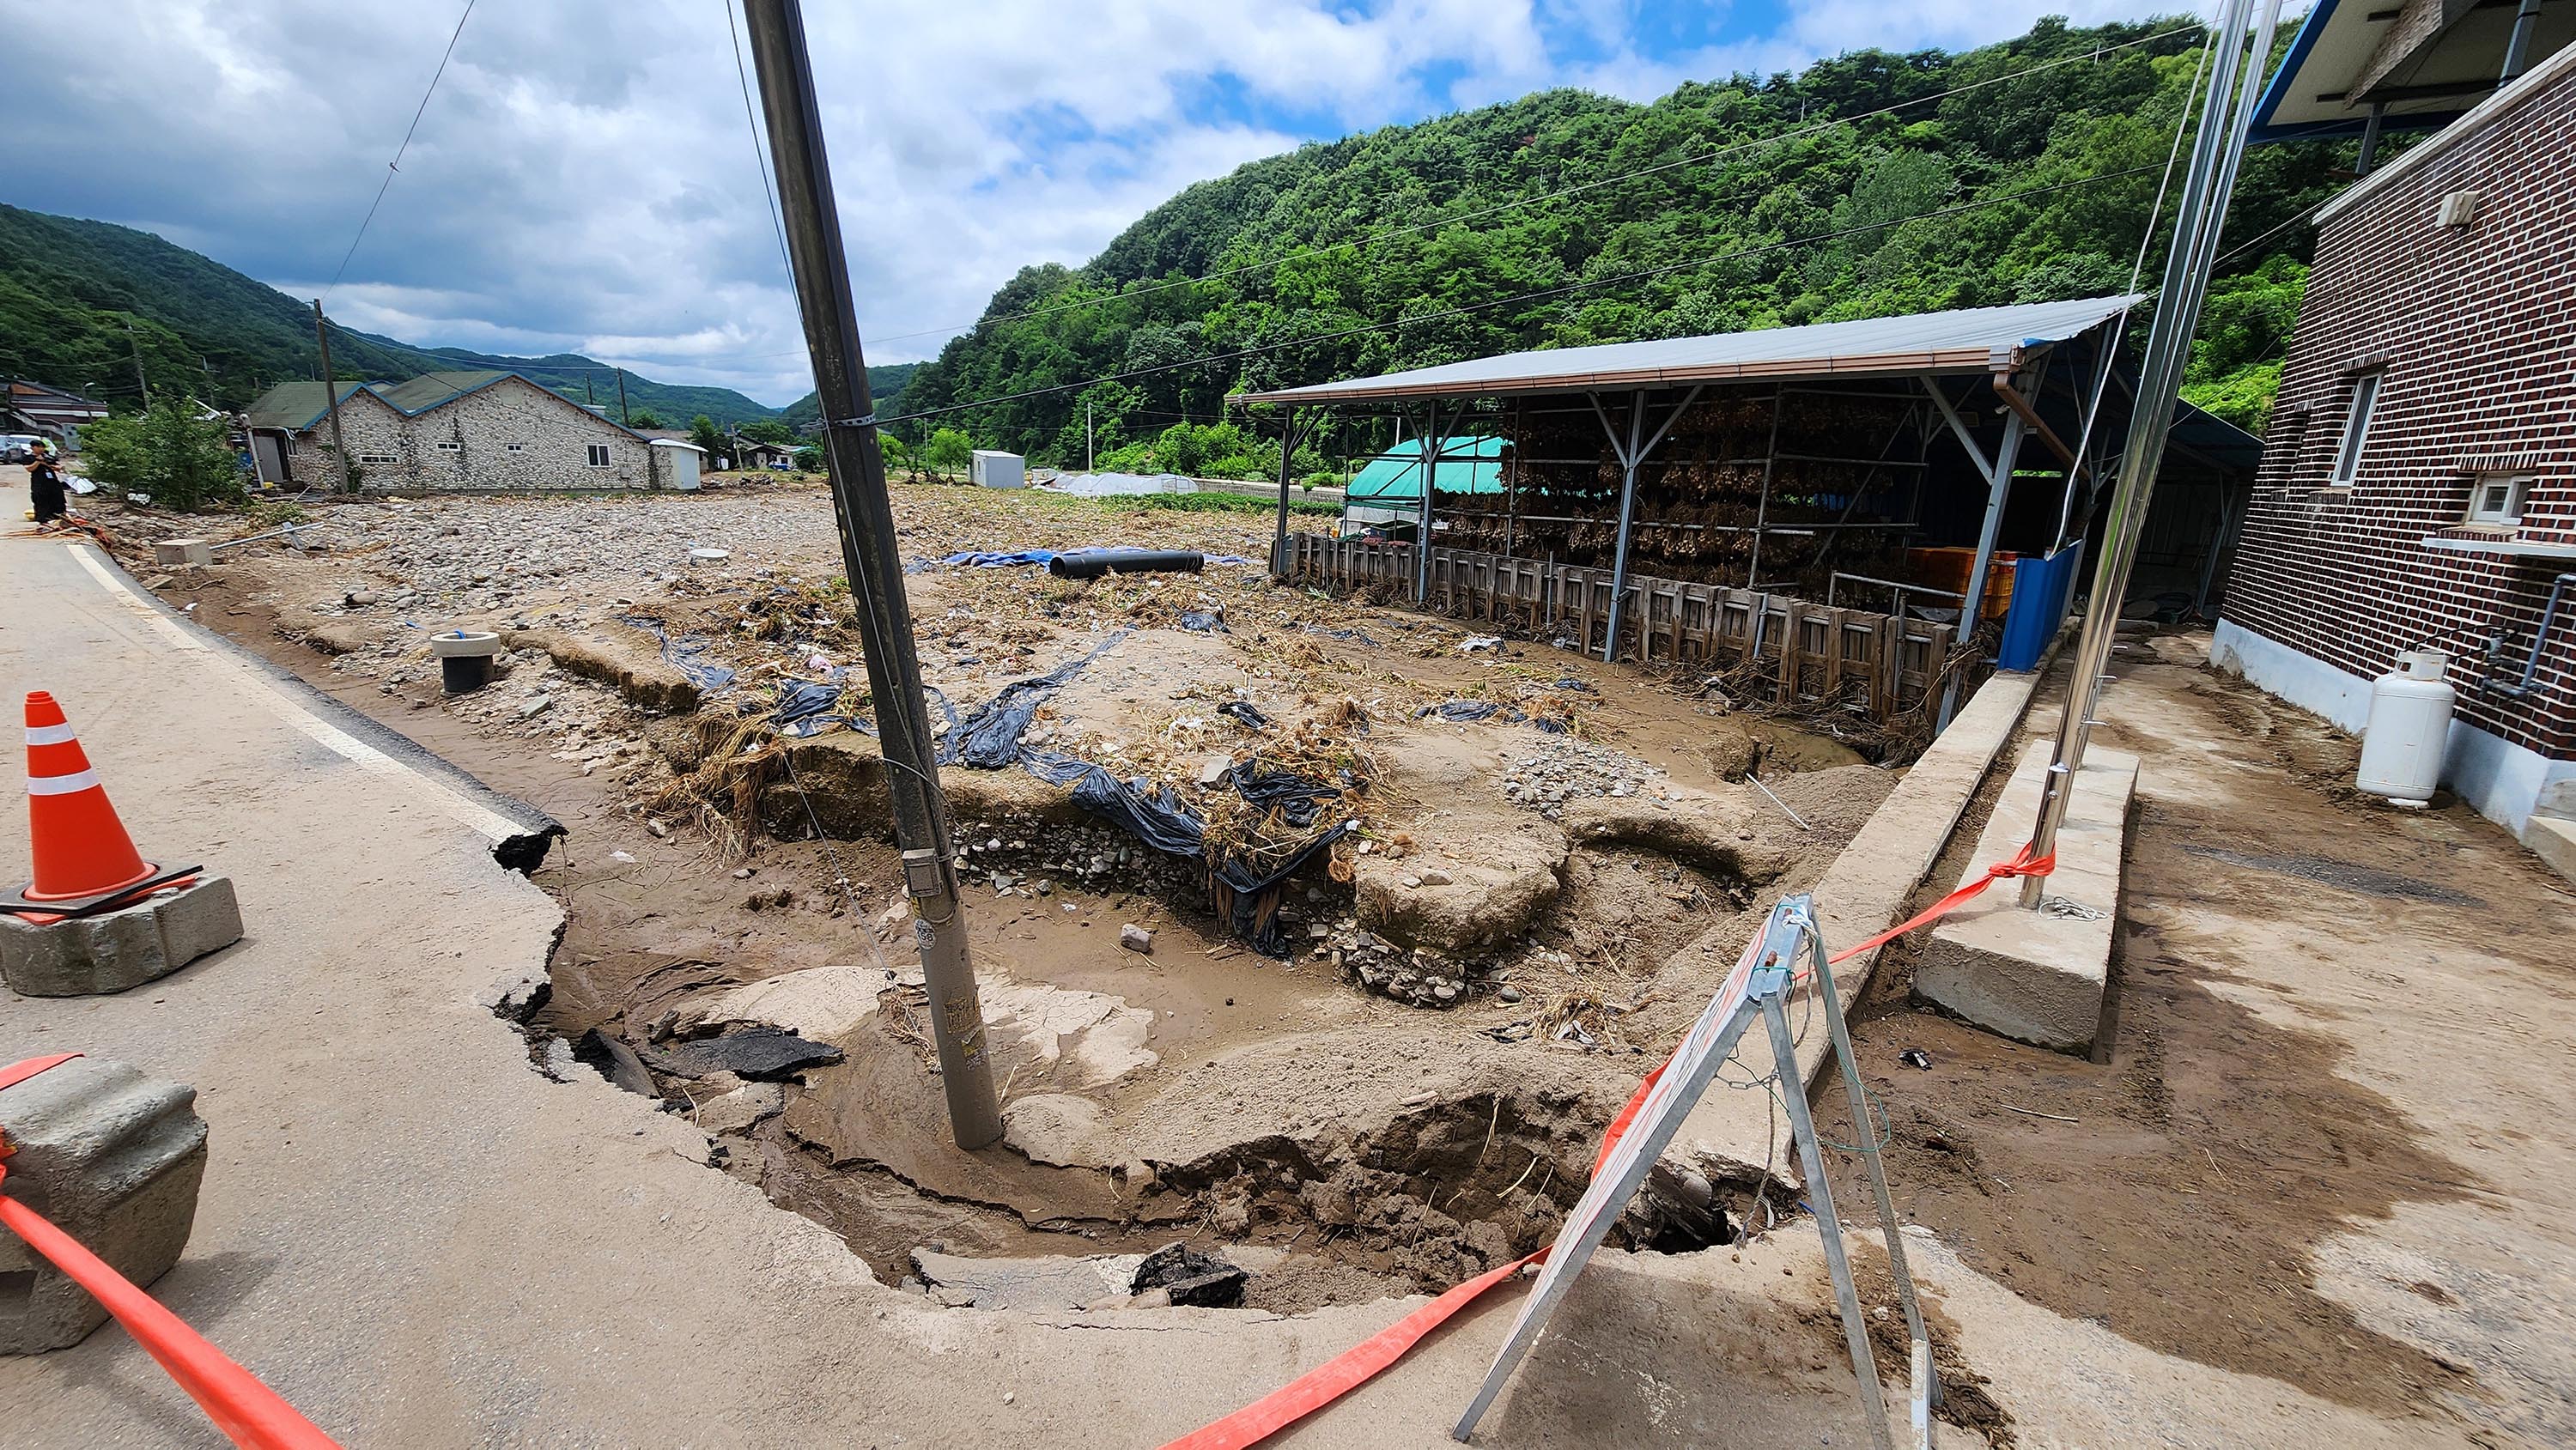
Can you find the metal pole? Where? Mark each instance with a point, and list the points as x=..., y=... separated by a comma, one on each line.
x=331, y=395
x=1762, y=505
x=1287, y=463
x=2369, y=139
x=2517, y=46
x=621, y=399
x=2198, y=218
x=866, y=519
x=1087, y=464
x=1972, y=602
x=1422, y=514
x=1627, y=514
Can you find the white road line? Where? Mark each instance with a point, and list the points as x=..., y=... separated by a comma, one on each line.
x=488, y=823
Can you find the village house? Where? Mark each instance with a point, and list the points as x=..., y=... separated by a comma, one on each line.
x=2418, y=488
x=49, y=412
x=458, y=430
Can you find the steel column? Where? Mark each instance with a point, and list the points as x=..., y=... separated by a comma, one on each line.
x=2198, y=219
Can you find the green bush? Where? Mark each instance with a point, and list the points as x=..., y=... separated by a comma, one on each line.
x=1231, y=503
x=183, y=462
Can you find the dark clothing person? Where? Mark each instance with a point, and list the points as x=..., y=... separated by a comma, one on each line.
x=45, y=489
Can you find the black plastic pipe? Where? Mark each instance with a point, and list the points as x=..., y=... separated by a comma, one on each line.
x=1092, y=563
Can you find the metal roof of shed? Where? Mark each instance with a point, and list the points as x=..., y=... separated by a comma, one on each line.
x=1970, y=339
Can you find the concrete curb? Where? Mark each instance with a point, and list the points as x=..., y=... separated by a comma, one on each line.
x=1732, y=1134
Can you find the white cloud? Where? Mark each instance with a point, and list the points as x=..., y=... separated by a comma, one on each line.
x=584, y=179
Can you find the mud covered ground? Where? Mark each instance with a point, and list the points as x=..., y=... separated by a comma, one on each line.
x=1405, y=1090
x=2209, y=1186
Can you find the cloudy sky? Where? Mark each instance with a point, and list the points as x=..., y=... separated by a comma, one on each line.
x=584, y=178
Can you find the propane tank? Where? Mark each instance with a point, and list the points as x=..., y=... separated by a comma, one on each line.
x=2410, y=724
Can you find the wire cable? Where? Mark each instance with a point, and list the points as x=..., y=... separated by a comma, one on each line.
x=395, y=166
x=1693, y=159
x=1530, y=296
x=759, y=153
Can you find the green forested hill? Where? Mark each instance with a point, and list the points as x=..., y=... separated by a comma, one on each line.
x=71, y=289
x=1427, y=228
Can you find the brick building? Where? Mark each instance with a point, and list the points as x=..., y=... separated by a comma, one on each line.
x=2419, y=483
x=454, y=431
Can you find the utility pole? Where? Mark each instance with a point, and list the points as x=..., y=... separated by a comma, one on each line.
x=136, y=343
x=1087, y=464
x=866, y=518
x=331, y=395
x=2198, y=219
x=589, y=399
x=621, y=399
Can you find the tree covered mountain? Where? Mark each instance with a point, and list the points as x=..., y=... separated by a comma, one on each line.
x=1567, y=218
x=82, y=301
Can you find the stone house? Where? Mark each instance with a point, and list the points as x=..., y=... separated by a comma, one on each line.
x=2418, y=488
x=455, y=431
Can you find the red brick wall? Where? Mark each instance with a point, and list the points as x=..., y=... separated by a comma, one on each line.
x=2476, y=331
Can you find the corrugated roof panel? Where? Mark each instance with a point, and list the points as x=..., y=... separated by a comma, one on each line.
x=1957, y=341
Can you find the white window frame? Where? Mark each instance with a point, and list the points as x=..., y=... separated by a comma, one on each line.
x=518, y=447
x=386, y=458
x=450, y=446
x=2356, y=428
x=2506, y=514
x=599, y=456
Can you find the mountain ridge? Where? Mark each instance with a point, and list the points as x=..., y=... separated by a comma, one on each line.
x=88, y=304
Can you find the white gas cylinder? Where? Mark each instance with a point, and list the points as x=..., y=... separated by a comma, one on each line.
x=2410, y=724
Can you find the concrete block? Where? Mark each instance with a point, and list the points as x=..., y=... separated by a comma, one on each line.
x=111, y=1157
x=183, y=551
x=120, y=949
x=2039, y=976
x=2554, y=841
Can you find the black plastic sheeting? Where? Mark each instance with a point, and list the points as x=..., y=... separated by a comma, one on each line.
x=1157, y=816
x=1463, y=711
x=1205, y=621
x=687, y=654
x=989, y=737
x=1243, y=713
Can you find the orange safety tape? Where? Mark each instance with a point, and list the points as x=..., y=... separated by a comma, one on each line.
x=251, y=1413
x=2022, y=864
x=1354, y=1367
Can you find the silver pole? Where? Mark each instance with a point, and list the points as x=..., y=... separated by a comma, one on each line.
x=1627, y=513
x=866, y=518
x=2216, y=152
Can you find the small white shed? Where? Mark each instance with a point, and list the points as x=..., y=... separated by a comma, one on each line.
x=994, y=469
x=676, y=464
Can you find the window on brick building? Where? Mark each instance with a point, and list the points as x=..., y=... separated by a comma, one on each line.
x=518, y=447
x=2356, y=428
x=599, y=455
x=364, y=457
x=2497, y=499
x=451, y=446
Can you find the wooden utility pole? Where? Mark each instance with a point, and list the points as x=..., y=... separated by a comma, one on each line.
x=331, y=396
x=621, y=399
x=866, y=518
x=136, y=343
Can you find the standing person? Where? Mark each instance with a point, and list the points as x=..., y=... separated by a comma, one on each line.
x=45, y=487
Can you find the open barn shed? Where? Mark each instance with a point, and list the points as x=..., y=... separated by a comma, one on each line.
x=1812, y=506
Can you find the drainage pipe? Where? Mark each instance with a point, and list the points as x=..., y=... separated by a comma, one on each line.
x=2539, y=641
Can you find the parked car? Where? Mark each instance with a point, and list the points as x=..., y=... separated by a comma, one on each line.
x=17, y=447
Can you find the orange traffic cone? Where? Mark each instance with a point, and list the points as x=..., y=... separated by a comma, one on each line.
x=84, y=858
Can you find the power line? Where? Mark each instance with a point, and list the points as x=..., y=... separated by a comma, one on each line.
x=759, y=153
x=1530, y=296
x=394, y=166
x=1693, y=159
